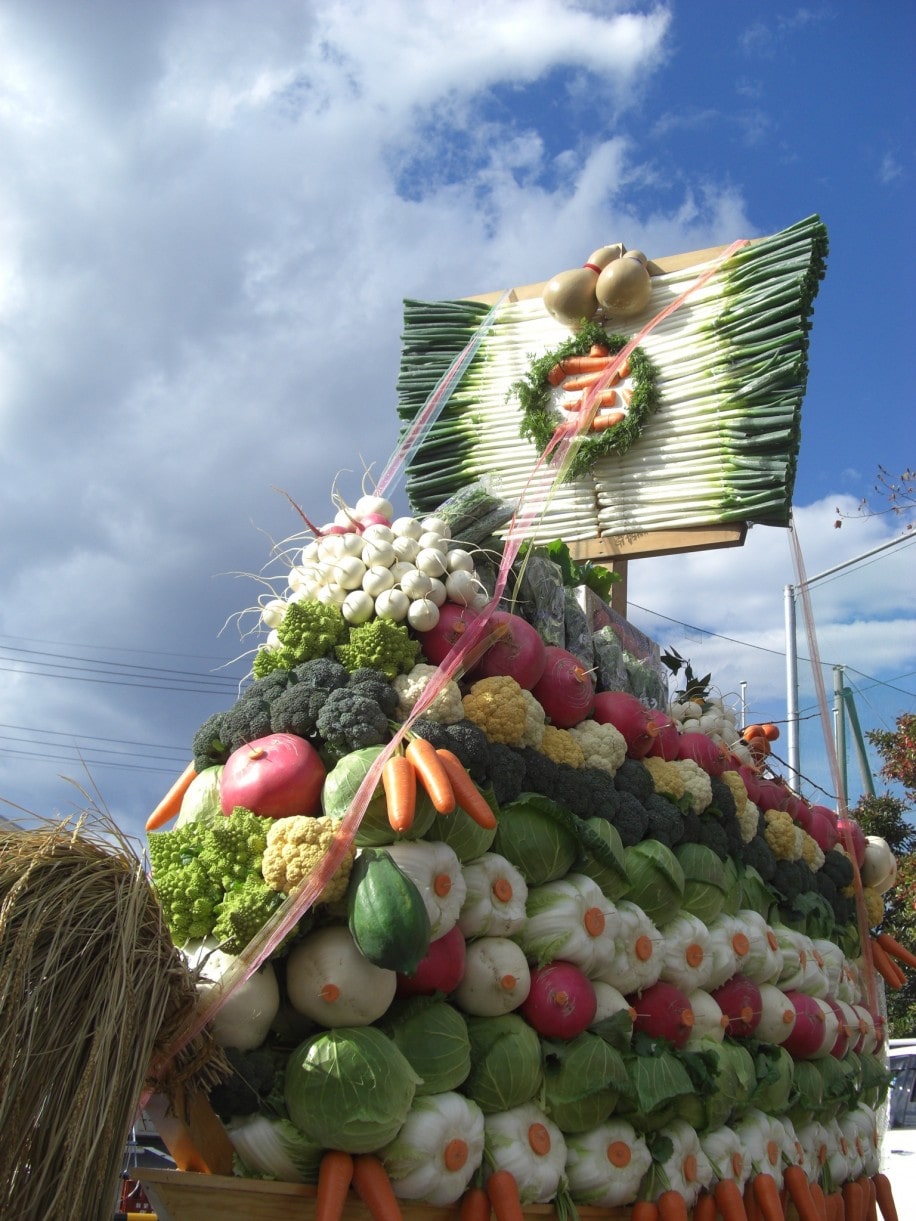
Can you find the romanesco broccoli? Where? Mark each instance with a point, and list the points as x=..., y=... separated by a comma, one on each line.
x=245, y=909
x=309, y=629
x=379, y=644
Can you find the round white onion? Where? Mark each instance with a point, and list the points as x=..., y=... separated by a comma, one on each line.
x=358, y=606
x=431, y=561
x=373, y=504
x=407, y=527
x=376, y=579
x=272, y=612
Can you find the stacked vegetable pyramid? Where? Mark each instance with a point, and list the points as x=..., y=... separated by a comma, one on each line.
x=519, y=928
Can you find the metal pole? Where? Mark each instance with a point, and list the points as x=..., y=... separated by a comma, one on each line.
x=839, y=719
x=792, y=750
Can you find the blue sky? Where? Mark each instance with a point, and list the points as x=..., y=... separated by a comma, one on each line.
x=210, y=214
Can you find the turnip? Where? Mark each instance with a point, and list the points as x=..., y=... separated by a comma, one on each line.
x=378, y=506
x=709, y=1022
x=496, y=979
x=806, y=1039
x=630, y=717
x=739, y=999
x=454, y=620
x=406, y=527
x=357, y=607
x=565, y=689
x=462, y=587
x=431, y=561
x=663, y=1012
x=777, y=1015
x=561, y=1002
x=440, y=970
x=275, y=776
x=852, y=836
x=422, y=614
x=515, y=649
x=664, y=745
x=392, y=604
x=709, y=755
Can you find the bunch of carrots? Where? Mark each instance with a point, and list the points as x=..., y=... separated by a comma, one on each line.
x=580, y=373
x=442, y=775
x=888, y=954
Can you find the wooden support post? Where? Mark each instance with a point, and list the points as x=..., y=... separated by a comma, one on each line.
x=198, y=1142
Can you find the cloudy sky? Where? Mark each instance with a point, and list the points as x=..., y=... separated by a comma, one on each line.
x=210, y=213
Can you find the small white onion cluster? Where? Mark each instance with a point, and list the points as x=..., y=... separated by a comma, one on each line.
x=373, y=565
x=711, y=716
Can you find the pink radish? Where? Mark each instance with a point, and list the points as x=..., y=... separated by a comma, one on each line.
x=630, y=717
x=663, y=1012
x=565, y=690
x=438, y=642
x=440, y=970
x=516, y=650
x=275, y=776
x=561, y=1002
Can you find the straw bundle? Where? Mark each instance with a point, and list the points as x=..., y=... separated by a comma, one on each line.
x=91, y=993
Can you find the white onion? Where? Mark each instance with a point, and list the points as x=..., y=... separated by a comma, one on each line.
x=331, y=594
x=406, y=548
x=358, y=606
x=437, y=525
x=373, y=504
x=422, y=615
x=407, y=527
x=416, y=584
x=437, y=592
x=272, y=612
x=459, y=560
x=349, y=572
x=378, y=552
x=392, y=604
x=462, y=587
x=376, y=579
x=431, y=561
x=377, y=533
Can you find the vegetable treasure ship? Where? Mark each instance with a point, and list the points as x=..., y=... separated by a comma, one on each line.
x=484, y=918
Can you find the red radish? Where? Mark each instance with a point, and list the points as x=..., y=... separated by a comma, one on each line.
x=663, y=1012
x=275, y=776
x=699, y=747
x=630, y=717
x=438, y=642
x=517, y=650
x=372, y=519
x=806, y=1040
x=822, y=829
x=844, y=1029
x=561, y=1002
x=800, y=810
x=825, y=812
x=665, y=744
x=852, y=836
x=440, y=970
x=740, y=1000
x=565, y=690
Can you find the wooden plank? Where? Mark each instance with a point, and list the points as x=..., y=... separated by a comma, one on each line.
x=678, y=540
x=182, y=1196
x=669, y=262
x=199, y=1142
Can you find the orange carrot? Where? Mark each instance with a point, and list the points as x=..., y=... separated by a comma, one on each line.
x=467, y=794
x=853, y=1202
x=800, y=1194
x=606, y=398
x=608, y=420
x=705, y=1208
x=835, y=1207
x=431, y=774
x=599, y=349
x=870, y=1196
x=475, y=1205
x=370, y=1178
x=892, y=946
x=766, y=1194
x=730, y=1201
x=672, y=1206
x=644, y=1210
x=886, y=968
x=502, y=1190
x=582, y=382
x=168, y=807
x=820, y=1200
x=334, y=1177
x=577, y=364
x=885, y=1196
x=399, y=780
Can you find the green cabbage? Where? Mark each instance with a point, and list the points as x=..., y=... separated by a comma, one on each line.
x=613, y=880
x=774, y=1067
x=656, y=880
x=506, y=1066
x=808, y=1092
x=467, y=838
x=539, y=838
x=704, y=881
x=756, y=896
x=583, y=1078
x=433, y=1036
x=375, y=831
x=732, y=887
x=349, y=1088
x=201, y=802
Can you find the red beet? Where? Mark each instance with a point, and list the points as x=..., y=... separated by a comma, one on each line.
x=740, y=1000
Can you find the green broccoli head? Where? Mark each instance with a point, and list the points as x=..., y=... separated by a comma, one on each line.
x=666, y=822
x=210, y=745
x=247, y=720
x=465, y=740
x=379, y=644
x=631, y=818
x=633, y=777
x=350, y=721
x=255, y=1076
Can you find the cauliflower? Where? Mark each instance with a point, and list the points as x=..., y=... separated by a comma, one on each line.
x=697, y=785
x=748, y=819
x=739, y=792
x=779, y=833
x=295, y=846
x=604, y=746
x=535, y=721
x=561, y=746
x=874, y=903
x=498, y=706
x=445, y=709
x=812, y=853
x=665, y=777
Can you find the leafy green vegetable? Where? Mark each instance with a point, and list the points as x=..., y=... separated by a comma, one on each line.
x=349, y=1088
x=610, y=874
x=467, y=838
x=433, y=1036
x=506, y=1066
x=271, y=1147
x=583, y=1078
x=656, y=880
x=375, y=831
x=537, y=836
x=704, y=881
